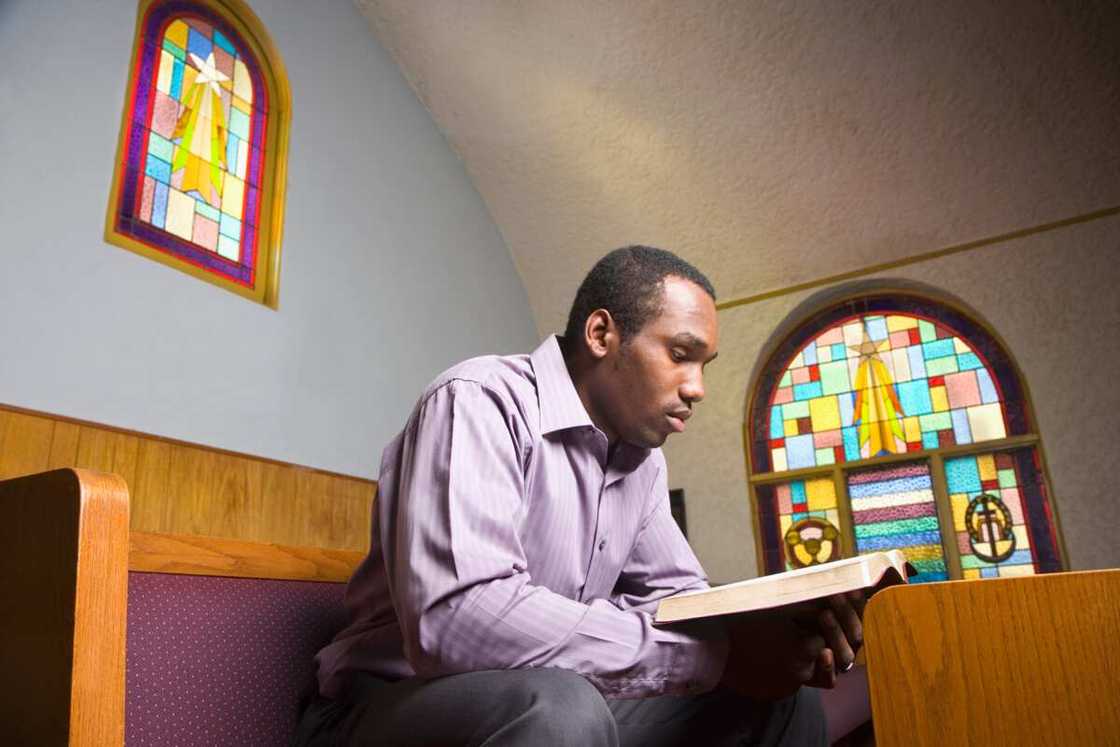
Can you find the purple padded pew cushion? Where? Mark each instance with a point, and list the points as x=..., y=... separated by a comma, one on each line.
x=849, y=705
x=222, y=661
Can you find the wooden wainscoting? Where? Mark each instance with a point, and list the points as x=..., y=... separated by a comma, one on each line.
x=182, y=488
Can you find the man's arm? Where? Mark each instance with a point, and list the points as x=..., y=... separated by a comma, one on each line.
x=772, y=653
x=458, y=574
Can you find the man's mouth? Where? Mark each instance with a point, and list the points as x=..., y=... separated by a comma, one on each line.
x=676, y=419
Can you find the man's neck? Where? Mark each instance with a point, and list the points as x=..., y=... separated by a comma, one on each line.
x=580, y=369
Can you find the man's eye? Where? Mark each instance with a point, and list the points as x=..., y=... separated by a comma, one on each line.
x=677, y=355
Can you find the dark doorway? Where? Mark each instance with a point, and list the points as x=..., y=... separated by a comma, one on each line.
x=676, y=505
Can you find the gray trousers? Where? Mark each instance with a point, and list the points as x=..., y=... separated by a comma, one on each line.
x=546, y=707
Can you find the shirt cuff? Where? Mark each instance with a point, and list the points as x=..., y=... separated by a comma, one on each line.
x=698, y=667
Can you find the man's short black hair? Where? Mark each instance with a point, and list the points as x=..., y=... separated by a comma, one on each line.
x=627, y=283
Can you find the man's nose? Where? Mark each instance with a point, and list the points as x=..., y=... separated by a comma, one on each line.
x=692, y=389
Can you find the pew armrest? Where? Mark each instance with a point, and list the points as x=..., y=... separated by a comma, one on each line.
x=63, y=606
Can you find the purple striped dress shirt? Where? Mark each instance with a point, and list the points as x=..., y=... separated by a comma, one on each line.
x=503, y=538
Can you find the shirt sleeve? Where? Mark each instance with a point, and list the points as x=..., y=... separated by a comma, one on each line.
x=458, y=574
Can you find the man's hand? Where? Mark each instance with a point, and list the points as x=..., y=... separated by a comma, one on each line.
x=775, y=652
x=841, y=625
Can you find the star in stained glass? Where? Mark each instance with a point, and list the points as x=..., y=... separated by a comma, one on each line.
x=201, y=132
x=208, y=73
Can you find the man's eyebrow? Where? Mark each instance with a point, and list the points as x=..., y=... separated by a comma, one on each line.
x=687, y=338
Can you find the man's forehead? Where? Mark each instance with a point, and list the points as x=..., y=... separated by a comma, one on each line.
x=688, y=315
x=685, y=294
x=685, y=315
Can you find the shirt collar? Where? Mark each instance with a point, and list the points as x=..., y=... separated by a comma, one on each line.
x=562, y=409
x=560, y=405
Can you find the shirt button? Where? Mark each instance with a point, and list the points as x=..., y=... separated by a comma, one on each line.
x=602, y=544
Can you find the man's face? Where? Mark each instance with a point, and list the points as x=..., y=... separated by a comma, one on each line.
x=650, y=383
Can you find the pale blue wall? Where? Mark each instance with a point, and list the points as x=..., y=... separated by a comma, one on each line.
x=392, y=266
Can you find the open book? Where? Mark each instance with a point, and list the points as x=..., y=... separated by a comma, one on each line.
x=792, y=587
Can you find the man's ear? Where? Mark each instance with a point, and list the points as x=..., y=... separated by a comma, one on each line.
x=600, y=333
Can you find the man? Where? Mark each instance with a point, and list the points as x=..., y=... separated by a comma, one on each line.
x=522, y=539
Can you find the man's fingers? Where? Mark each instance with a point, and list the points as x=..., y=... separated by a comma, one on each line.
x=824, y=672
x=835, y=638
x=857, y=600
x=849, y=618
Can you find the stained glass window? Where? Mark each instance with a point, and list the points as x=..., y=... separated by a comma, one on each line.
x=894, y=421
x=199, y=183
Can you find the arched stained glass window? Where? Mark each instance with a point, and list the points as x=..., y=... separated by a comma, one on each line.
x=199, y=183
x=895, y=421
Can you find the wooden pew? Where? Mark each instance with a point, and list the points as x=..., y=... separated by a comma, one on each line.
x=1014, y=661
x=73, y=574
x=63, y=595
x=68, y=571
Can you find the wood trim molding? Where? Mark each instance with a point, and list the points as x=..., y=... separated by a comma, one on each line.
x=216, y=556
x=918, y=258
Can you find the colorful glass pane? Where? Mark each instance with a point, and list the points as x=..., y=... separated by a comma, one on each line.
x=793, y=502
x=880, y=384
x=893, y=508
x=194, y=150
x=998, y=513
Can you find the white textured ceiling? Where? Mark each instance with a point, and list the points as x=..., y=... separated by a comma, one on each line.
x=770, y=143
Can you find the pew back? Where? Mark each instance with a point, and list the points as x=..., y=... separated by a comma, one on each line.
x=220, y=633
x=1022, y=661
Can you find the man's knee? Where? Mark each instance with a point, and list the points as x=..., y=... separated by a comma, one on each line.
x=807, y=724
x=808, y=700
x=495, y=708
x=563, y=708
